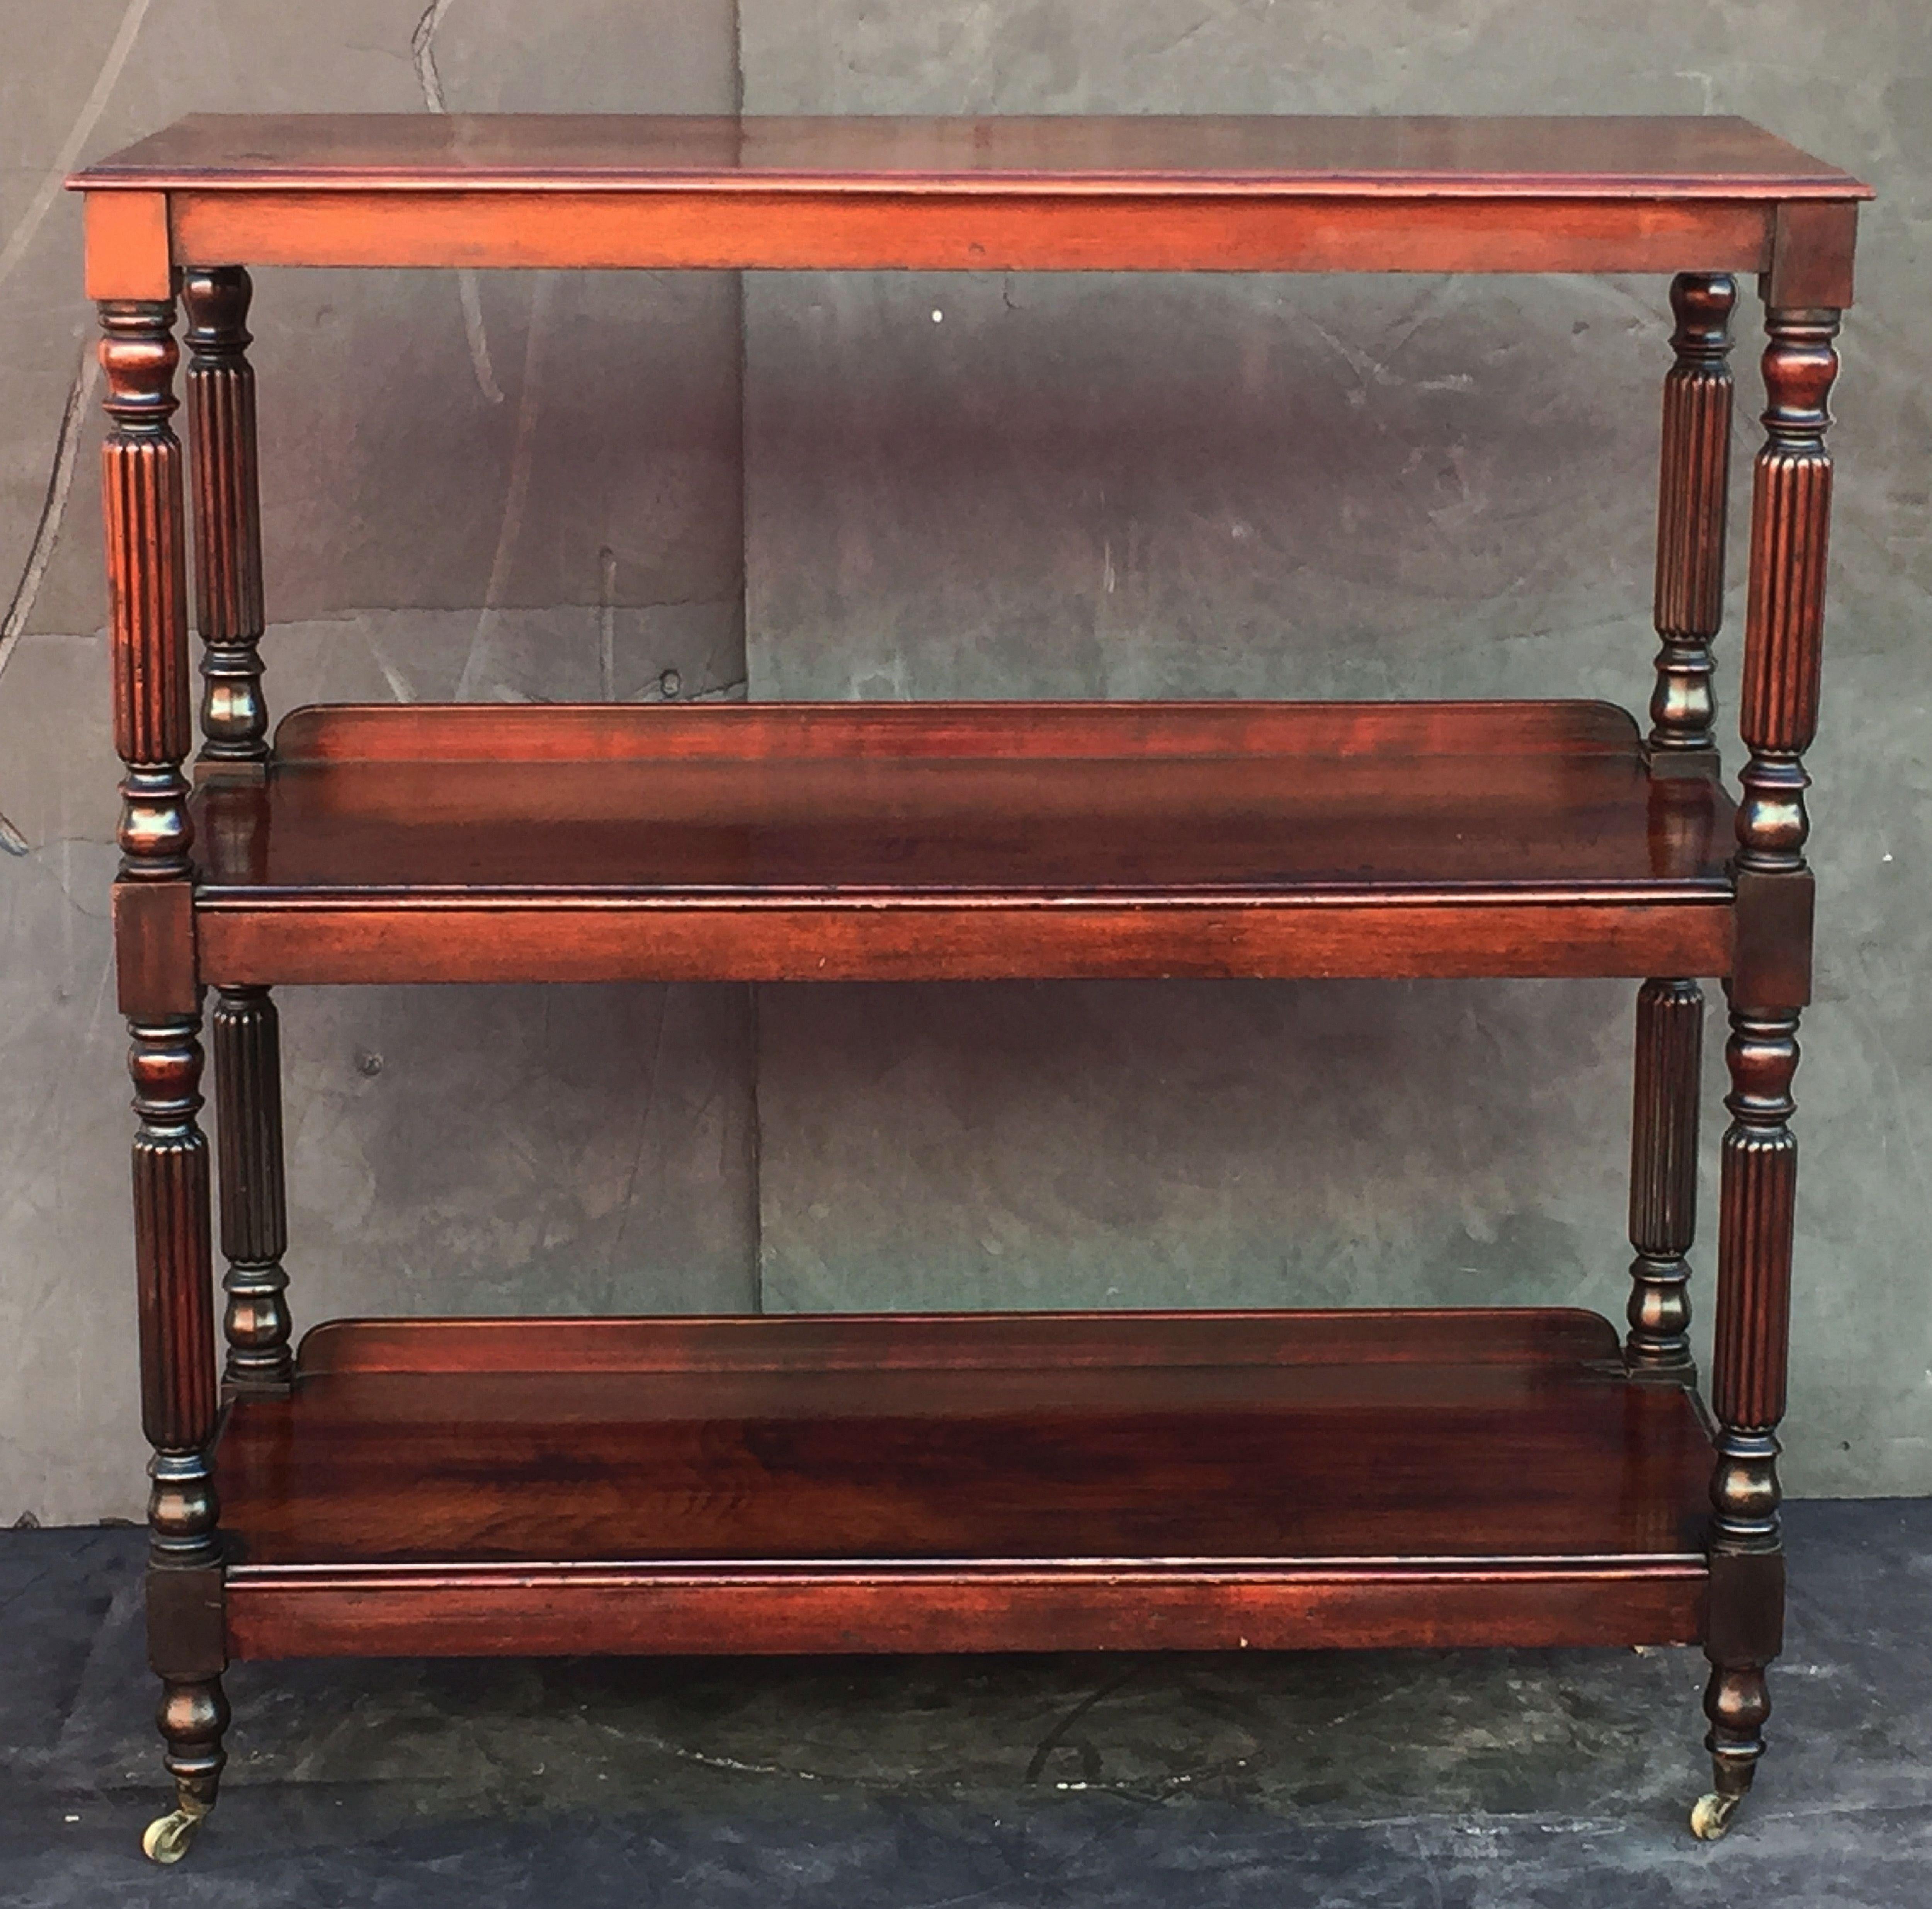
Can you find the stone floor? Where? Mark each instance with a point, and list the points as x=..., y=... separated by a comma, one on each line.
x=1443, y=1780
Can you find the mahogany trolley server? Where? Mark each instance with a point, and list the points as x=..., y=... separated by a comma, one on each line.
x=1179, y=1480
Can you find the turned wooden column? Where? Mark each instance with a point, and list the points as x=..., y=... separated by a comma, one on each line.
x=254, y=1209
x=245, y=1035
x=147, y=588
x=227, y=516
x=1693, y=476
x=177, y=1309
x=1790, y=521
x=179, y=1402
x=1693, y=481
x=1663, y=1177
x=141, y=501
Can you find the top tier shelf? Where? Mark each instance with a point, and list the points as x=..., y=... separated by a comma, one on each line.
x=1013, y=193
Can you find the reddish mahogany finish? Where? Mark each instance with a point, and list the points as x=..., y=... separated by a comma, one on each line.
x=1643, y=157
x=1693, y=489
x=1035, y=1482
x=142, y=509
x=254, y=1205
x=948, y=841
x=1663, y=1177
x=969, y=1342
x=1791, y=507
x=538, y=1610
x=147, y=609
x=1258, y=194
x=1318, y=1473
x=228, y=520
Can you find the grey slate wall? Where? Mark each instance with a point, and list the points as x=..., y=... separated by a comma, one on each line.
x=525, y=485
x=1099, y=486
x=1198, y=487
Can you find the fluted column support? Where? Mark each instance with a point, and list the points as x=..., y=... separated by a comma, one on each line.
x=147, y=587
x=227, y=516
x=1694, y=476
x=178, y=1396
x=254, y=1209
x=147, y=580
x=179, y=1403
x=1791, y=517
x=1663, y=1177
x=1778, y=717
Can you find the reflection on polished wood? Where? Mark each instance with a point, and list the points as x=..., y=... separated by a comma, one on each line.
x=1130, y=1481
x=948, y=839
x=1265, y=193
x=1707, y=157
x=1275, y=1451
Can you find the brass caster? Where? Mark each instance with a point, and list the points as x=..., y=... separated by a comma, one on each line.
x=1712, y=1814
x=167, y=1837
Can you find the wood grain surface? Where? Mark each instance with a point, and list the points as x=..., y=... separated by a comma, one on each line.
x=1263, y=194
x=1680, y=156
x=1082, y=1438
x=951, y=840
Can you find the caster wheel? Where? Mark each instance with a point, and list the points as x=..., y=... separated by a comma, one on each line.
x=167, y=1837
x=1710, y=1816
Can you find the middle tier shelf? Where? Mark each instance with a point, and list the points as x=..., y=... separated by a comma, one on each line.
x=960, y=841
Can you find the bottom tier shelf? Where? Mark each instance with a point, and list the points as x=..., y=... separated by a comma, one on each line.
x=960, y=1482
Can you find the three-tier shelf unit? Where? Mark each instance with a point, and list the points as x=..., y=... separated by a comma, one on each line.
x=958, y=1482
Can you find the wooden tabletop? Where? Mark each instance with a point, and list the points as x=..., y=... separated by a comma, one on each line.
x=1650, y=158
x=1200, y=193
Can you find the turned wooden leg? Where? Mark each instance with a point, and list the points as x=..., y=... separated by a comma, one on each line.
x=1663, y=1178
x=175, y=1277
x=141, y=503
x=1790, y=521
x=1746, y=1608
x=192, y=1718
x=179, y=1403
x=1693, y=482
x=254, y=1216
